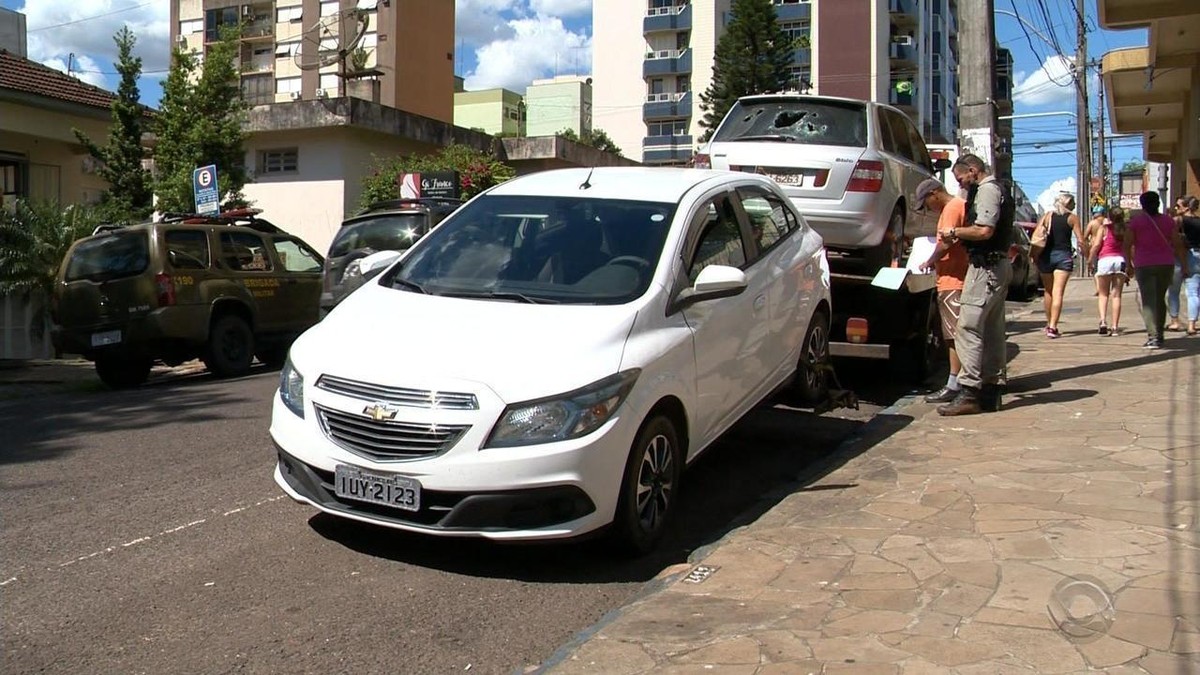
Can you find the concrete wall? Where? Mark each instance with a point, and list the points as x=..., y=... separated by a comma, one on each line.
x=12, y=31
x=554, y=105
x=18, y=337
x=490, y=110
x=619, y=91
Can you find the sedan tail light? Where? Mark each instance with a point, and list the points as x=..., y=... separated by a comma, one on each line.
x=867, y=177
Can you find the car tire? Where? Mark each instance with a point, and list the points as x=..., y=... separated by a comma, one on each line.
x=880, y=256
x=811, y=385
x=230, y=347
x=649, y=487
x=122, y=372
x=274, y=356
x=927, y=349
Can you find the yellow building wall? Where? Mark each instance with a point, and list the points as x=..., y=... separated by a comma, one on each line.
x=44, y=139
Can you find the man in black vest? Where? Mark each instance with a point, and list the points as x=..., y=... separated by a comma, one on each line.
x=980, y=338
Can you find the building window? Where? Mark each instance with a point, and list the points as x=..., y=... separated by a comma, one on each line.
x=667, y=128
x=799, y=32
x=217, y=19
x=800, y=78
x=935, y=61
x=329, y=83
x=330, y=7
x=286, y=50
x=258, y=89
x=289, y=14
x=283, y=160
x=287, y=85
x=191, y=26
x=369, y=41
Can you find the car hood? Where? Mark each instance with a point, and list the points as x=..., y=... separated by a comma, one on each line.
x=519, y=351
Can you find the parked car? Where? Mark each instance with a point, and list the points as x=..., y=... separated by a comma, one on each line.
x=545, y=362
x=851, y=167
x=222, y=289
x=383, y=226
x=1025, y=279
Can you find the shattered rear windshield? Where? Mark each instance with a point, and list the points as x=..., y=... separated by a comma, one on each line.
x=793, y=121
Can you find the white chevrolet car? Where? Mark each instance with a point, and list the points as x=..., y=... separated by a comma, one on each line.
x=850, y=166
x=546, y=361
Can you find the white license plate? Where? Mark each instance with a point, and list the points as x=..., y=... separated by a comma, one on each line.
x=108, y=337
x=793, y=179
x=390, y=490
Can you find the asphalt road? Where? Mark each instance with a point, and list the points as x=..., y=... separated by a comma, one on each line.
x=141, y=532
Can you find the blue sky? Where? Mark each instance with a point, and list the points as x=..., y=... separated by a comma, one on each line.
x=511, y=42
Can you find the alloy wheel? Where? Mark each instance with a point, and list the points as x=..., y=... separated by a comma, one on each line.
x=656, y=482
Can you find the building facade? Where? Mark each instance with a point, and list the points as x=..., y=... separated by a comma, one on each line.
x=12, y=32
x=499, y=112
x=559, y=103
x=652, y=59
x=404, y=59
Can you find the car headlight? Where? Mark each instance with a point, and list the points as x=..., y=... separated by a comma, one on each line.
x=291, y=388
x=559, y=418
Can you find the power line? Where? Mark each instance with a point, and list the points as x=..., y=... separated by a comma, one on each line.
x=90, y=18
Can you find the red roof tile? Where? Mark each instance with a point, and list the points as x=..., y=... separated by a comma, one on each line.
x=21, y=74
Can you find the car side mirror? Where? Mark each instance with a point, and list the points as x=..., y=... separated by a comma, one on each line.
x=714, y=281
x=941, y=164
x=375, y=263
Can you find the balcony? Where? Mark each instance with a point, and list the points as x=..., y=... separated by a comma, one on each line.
x=666, y=149
x=665, y=19
x=257, y=66
x=667, y=106
x=905, y=102
x=667, y=62
x=259, y=29
x=793, y=11
x=903, y=12
x=901, y=53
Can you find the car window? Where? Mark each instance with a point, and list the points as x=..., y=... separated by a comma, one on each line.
x=295, y=257
x=121, y=254
x=187, y=249
x=793, y=120
x=244, y=252
x=920, y=154
x=385, y=232
x=770, y=220
x=720, y=239
x=538, y=248
x=902, y=143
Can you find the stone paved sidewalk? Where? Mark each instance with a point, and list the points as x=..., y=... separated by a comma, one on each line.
x=986, y=544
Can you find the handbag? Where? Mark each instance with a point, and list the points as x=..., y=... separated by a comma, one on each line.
x=1037, y=243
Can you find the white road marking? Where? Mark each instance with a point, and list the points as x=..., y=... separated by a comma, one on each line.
x=8, y=581
x=151, y=537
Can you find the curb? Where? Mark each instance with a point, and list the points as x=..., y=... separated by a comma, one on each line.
x=848, y=448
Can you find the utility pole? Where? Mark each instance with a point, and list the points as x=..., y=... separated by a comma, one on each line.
x=1083, y=114
x=977, y=71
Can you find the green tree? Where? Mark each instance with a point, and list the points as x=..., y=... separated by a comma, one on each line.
x=596, y=138
x=477, y=171
x=1133, y=166
x=34, y=238
x=199, y=122
x=752, y=57
x=128, y=196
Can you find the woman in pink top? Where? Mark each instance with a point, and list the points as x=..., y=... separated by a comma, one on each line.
x=1107, y=257
x=1152, y=246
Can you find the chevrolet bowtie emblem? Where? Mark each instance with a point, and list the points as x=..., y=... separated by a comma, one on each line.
x=380, y=412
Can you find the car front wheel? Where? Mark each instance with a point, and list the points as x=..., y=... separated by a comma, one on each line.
x=230, y=347
x=650, y=487
x=812, y=375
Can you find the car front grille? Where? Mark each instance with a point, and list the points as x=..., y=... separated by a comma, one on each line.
x=387, y=440
x=412, y=398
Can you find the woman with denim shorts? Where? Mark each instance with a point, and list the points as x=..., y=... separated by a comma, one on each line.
x=1057, y=259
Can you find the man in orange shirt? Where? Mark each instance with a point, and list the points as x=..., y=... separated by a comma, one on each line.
x=950, y=262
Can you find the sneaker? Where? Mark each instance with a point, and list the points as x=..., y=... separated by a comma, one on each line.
x=1053, y=333
x=1103, y=330
x=1152, y=343
x=1114, y=331
x=943, y=395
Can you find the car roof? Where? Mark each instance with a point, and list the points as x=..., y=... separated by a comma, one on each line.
x=646, y=184
x=806, y=97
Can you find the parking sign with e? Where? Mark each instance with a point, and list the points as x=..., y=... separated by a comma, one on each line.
x=204, y=188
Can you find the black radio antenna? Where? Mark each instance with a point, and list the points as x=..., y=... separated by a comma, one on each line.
x=587, y=182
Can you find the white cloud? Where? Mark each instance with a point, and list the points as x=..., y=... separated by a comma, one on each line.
x=1046, y=199
x=561, y=8
x=478, y=22
x=82, y=67
x=539, y=47
x=90, y=26
x=1049, y=85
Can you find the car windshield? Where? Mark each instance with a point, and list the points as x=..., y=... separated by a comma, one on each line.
x=540, y=249
x=109, y=256
x=390, y=232
x=788, y=120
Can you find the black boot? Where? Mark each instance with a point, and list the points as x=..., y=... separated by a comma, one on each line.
x=943, y=395
x=989, y=397
x=966, y=403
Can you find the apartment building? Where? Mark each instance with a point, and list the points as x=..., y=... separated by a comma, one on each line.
x=652, y=59
x=404, y=60
x=558, y=103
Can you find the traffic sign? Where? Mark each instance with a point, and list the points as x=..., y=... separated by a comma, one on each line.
x=204, y=188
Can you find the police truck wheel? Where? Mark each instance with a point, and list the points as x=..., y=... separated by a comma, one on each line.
x=122, y=372
x=650, y=487
x=230, y=347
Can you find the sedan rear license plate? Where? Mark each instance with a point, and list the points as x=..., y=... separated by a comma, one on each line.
x=792, y=179
x=390, y=490
x=108, y=337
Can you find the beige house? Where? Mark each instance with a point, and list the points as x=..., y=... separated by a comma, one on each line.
x=40, y=158
x=494, y=111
